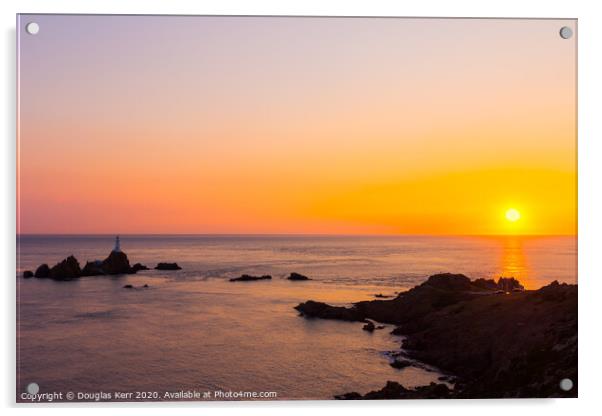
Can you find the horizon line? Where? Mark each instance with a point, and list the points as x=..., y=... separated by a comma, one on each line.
x=301, y=234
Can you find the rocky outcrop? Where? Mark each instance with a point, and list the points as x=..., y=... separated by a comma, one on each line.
x=168, y=266
x=312, y=309
x=297, y=276
x=27, y=274
x=370, y=327
x=510, y=344
x=129, y=286
x=67, y=269
x=438, y=292
x=42, y=272
x=394, y=390
x=116, y=263
x=513, y=345
x=509, y=284
x=506, y=284
x=249, y=278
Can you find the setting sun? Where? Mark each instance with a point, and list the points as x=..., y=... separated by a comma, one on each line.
x=512, y=215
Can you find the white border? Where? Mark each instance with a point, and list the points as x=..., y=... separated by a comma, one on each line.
x=590, y=209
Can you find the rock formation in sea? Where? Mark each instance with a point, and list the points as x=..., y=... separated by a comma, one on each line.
x=27, y=274
x=137, y=267
x=168, y=266
x=116, y=263
x=313, y=309
x=67, y=269
x=496, y=338
x=297, y=276
x=249, y=278
x=370, y=327
x=129, y=286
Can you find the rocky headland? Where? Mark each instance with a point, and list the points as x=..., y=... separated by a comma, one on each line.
x=496, y=338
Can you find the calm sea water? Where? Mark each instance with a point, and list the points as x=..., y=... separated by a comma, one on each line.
x=194, y=330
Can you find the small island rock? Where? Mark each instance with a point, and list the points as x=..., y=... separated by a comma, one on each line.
x=249, y=278
x=27, y=274
x=369, y=327
x=297, y=276
x=168, y=266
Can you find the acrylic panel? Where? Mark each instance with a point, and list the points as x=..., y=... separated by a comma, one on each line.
x=295, y=208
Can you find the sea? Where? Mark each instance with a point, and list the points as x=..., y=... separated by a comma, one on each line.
x=194, y=335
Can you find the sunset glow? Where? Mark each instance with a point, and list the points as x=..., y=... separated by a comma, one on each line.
x=512, y=215
x=276, y=125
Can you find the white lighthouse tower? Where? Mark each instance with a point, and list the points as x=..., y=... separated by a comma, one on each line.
x=117, y=245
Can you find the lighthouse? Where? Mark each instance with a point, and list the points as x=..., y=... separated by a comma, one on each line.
x=117, y=245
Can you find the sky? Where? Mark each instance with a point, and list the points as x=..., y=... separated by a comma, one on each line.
x=150, y=124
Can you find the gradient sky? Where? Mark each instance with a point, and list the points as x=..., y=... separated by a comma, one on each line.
x=296, y=125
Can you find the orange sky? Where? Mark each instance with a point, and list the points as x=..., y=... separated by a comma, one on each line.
x=307, y=125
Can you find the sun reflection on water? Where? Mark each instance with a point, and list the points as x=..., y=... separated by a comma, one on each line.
x=513, y=261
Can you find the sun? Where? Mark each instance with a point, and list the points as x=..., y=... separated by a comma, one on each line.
x=512, y=215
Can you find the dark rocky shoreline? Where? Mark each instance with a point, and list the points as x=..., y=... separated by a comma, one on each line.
x=498, y=339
